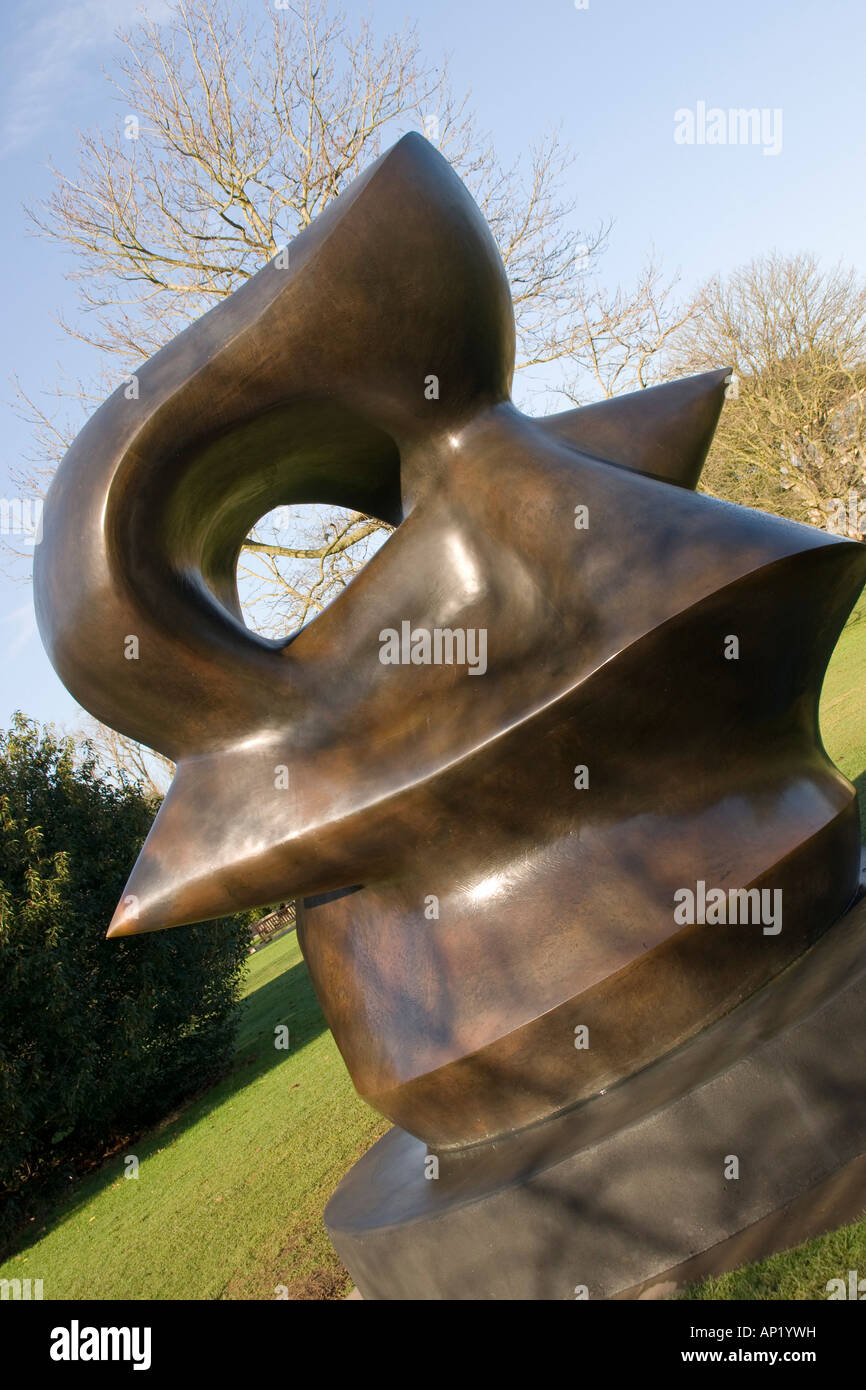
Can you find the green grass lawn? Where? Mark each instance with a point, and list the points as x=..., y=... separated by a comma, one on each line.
x=228, y=1202
x=843, y=705
x=230, y=1193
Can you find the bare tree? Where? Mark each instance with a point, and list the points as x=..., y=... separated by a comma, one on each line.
x=235, y=132
x=793, y=438
x=115, y=752
x=623, y=339
x=237, y=135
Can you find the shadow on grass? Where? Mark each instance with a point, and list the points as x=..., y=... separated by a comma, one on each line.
x=287, y=999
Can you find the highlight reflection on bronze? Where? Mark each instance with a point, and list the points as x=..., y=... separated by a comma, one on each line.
x=466, y=904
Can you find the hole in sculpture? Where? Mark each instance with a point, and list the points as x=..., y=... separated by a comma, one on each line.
x=300, y=558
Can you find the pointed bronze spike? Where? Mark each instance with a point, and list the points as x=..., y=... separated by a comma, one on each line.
x=664, y=431
x=197, y=863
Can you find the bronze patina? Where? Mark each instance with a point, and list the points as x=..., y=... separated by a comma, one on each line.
x=565, y=689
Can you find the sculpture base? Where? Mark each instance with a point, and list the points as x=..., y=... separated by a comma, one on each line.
x=632, y=1192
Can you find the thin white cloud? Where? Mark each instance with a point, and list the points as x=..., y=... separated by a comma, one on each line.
x=49, y=56
x=23, y=623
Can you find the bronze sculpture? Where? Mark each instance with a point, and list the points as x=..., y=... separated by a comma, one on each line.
x=485, y=866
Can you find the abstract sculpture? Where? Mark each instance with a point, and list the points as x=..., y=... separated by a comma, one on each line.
x=565, y=695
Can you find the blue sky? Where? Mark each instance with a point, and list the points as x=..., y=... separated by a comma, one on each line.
x=611, y=76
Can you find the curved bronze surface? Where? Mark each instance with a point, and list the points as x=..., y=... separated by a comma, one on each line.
x=467, y=905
